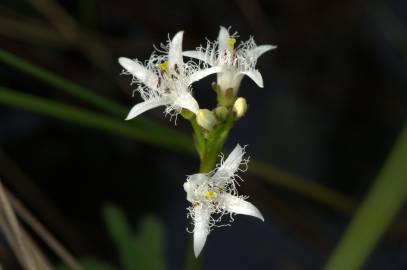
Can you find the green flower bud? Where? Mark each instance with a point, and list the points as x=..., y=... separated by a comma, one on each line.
x=221, y=113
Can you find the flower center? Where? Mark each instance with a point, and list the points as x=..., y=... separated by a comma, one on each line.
x=211, y=195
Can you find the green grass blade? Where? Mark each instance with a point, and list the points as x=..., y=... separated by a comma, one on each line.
x=89, y=264
x=141, y=250
x=63, y=84
x=168, y=139
x=122, y=235
x=307, y=188
x=384, y=200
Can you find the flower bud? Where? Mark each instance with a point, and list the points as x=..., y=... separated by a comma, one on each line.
x=206, y=119
x=240, y=107
x=221, y=113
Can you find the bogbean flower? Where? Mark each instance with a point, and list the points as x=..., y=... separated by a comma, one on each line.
x=165, y=80
x=214, y=194
x=235, y=62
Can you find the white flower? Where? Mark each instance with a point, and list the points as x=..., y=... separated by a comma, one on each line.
x=165, y=80
x=235, y=62
x=215, y=193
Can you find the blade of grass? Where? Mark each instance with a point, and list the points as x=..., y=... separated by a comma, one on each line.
x=141, y=250
x=63, y=84
x=385, y=198
x=174, y=140
x=305, y=187
x=170, y=140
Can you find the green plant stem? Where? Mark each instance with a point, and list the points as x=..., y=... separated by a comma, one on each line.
x=385, y=198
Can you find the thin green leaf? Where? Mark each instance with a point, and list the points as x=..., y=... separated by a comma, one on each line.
x=150, y=243
x=167, y=139
x=121, y=233
x=63, y=84
x=90, y=264
x=93, y=264
x=385, y=198
x=307, y=188
x=143, y=250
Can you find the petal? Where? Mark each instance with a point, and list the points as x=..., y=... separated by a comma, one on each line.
x=203, y=73
x=193, y=181
x=197, y=178
x=141, y=107
x=144, y=75
x=201, y=229
x=187, y=101
x=196, y=54
x=238, y=205
x=229, y=167
x=175, y=52
x=259, y=50
x=255, y=75
x=223, y=38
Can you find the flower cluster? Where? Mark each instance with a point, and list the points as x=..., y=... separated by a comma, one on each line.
x=165, y=79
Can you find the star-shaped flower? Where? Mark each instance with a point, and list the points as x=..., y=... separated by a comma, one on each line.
x=235, y=62
x=165, y=80
x=214, y=194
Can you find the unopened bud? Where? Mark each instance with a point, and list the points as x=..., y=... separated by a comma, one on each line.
x=221, y=113
x=240, y=107
x=206, y=119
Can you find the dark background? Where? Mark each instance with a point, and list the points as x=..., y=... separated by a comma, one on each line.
x=333, y=104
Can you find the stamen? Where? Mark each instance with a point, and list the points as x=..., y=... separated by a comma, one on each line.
x=164, y=66
x=232, y=42
x=211, y=194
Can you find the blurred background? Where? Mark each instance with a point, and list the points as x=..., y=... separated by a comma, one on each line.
x=333, y=106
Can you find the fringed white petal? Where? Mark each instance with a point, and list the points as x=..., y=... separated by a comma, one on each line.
x=229, y=167
x=223, y=39
x=192, y=182
x=187, y=101
x=198, y=178
x=238, y=205
x=196, y=54
x=175, y=61
x=141, y=107
x=201, y=229
x=255, y=75
x=203, y=73
x=144, y=75
x=259, y=50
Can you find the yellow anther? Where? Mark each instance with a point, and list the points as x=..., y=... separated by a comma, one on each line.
x=232, y=42
x=211, y=194
x=164, y=66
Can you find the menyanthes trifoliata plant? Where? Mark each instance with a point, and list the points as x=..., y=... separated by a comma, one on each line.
x=165, y=79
